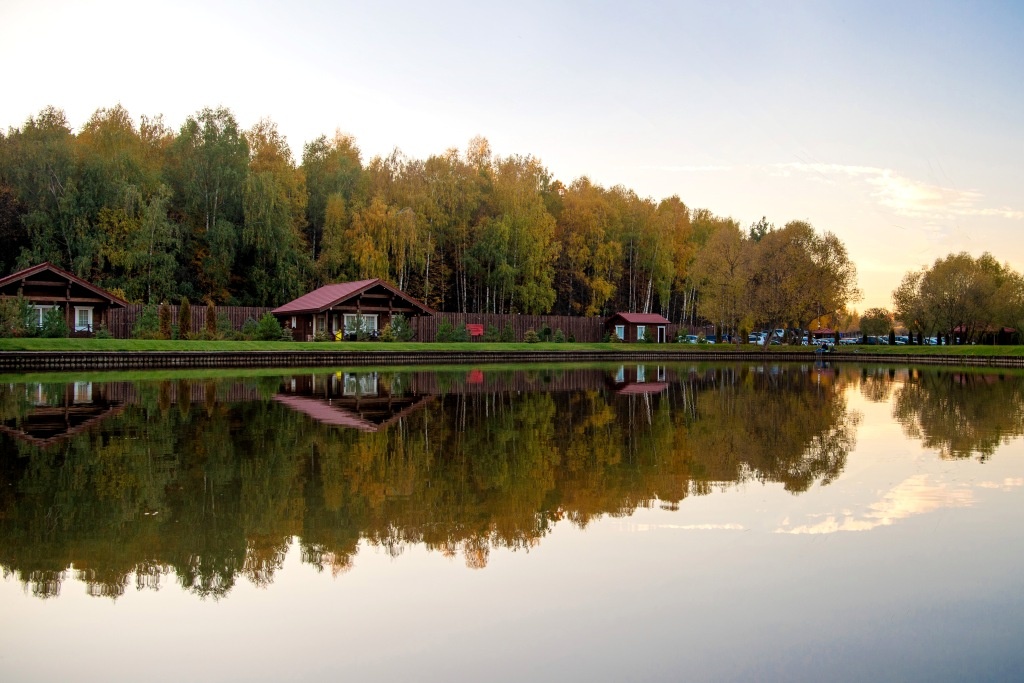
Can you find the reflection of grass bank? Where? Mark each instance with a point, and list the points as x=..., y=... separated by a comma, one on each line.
x=129, y=345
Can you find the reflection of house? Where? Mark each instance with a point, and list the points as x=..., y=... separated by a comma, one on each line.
x=357, y=400
x=639, y=379
x=61, y=411
x=631, y=327
x=344, y=306
x=46, y=286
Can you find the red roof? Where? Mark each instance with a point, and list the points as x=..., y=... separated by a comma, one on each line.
x=643, y=388
x=330, y=295
x=46, y=265
x=642, y=318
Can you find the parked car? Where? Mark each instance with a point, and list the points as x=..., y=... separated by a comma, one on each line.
x=690, y=339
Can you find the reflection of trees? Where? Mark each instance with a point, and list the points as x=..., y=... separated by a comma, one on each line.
x=960, y=413
x=190, y=481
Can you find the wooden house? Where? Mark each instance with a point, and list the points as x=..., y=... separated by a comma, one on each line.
x=632, y=327
x=45, y=286
x=336, y=310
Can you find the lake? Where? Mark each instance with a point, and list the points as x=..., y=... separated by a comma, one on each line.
x=780, y=522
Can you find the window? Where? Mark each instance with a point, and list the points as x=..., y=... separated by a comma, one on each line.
x=40, y=313
x=620, y=374
x=83, y=318
x=352, y=320
x=83, y=392
x=293, y=322
x=620, y=332
x=359, y=384
x=641, y=332
x=641, y=373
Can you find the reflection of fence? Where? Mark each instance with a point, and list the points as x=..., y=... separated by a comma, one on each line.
x=122, y=320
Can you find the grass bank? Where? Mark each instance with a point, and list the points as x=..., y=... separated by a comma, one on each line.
x=130, y=345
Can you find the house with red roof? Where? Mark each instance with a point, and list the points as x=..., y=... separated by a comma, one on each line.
x=337, y=310
x=632, y=327
x=44, y=286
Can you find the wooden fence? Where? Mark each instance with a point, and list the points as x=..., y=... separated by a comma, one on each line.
x=122, y=320
x=575, y=328
x=579, y=329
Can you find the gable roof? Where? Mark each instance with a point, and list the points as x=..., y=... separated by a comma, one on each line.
x=46, y=265
x=641, y=318
x=331, y=295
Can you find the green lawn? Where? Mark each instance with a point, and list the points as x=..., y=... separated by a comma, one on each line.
x=128, y=345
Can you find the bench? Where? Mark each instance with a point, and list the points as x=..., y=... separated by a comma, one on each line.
x=474, y=330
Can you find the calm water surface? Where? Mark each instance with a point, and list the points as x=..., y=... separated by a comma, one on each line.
x=600, y=523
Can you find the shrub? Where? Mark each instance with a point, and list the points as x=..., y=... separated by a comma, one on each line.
x=508, y=335
x=446, y=332
x=165, y=321
x=268, y=329
x=16, y=319
x=54, y=325
x=224, y=328
x=321, y=336
x=103, y=333
x=572, y=338
x=147, y=325
x=250, y=328
x=559, y=336
x=531, y=337
x=185, y=319
x=491, y=334
x=545, y=333
x=613, y=339
x=387, y=334
x=892, y=337
x=211, y=320
x=401, y=330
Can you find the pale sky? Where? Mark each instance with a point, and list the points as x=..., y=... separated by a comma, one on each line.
x=896, y=125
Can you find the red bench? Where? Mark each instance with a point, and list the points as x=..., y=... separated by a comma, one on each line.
x=475, y=330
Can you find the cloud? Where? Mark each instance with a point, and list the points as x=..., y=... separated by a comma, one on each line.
x=903, y=195
x=911, y=497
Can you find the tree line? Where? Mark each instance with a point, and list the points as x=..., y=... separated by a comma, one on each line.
x=213, y=212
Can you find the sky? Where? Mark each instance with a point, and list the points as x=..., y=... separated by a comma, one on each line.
x=895, y=125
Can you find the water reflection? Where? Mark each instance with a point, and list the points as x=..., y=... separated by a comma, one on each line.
x=205, y=481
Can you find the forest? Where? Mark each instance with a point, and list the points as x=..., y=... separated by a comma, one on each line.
x=213, y=212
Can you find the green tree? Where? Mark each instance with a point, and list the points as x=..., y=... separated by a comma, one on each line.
x=875, y=322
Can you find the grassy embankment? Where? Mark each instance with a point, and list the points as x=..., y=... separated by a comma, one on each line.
x=129, y=345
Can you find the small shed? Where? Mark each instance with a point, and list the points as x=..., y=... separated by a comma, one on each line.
x=632, y=327
x=338, y=310
x=45, y=286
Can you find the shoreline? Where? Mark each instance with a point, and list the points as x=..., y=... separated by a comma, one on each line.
x=57, y=361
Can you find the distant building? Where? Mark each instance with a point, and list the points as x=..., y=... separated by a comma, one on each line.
x=632, y=327
x=337, y=309
x=45, y=286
